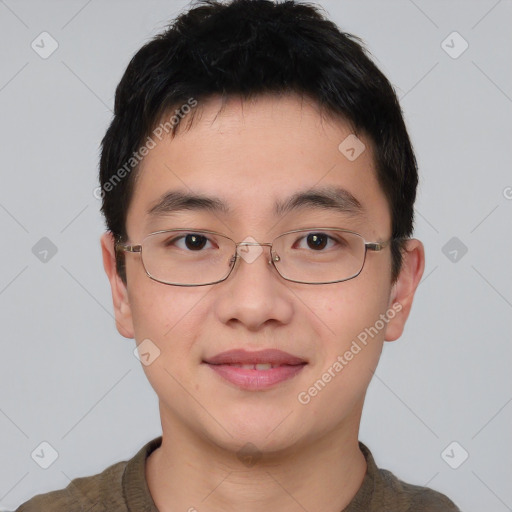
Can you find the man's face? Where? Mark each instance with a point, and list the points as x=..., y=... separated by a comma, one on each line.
x=251, y=156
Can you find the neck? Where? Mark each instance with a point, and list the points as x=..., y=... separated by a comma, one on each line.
x=189, y=473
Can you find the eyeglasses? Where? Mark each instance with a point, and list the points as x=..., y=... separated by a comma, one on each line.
x=186, y=257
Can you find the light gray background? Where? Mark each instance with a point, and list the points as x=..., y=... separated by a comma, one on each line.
x=67, y=377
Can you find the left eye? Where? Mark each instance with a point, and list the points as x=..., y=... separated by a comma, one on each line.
x=316, y=241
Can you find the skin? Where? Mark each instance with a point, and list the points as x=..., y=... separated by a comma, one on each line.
x=265, y=149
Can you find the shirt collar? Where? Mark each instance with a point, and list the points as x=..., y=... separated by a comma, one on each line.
x=135, y=486
x=138, y=498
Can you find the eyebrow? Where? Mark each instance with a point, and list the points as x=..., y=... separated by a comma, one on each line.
x=328, y=198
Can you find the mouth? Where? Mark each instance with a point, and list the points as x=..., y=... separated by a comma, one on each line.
x=256, y=371
x=258, y=366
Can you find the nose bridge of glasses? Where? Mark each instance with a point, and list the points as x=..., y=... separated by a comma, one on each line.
x=273, y=257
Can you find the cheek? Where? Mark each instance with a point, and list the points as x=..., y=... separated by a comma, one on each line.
x=348, y=351
x=168, y=322
x=169, y=316
x=350, y=317
x=346, y=309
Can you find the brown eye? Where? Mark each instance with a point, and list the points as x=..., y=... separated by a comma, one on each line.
x=192, y=242
x=317, y=240
x=195, y=242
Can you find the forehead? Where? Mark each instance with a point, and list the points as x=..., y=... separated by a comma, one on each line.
x=256, y=156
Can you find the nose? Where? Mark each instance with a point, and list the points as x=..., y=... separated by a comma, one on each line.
x=254, y=293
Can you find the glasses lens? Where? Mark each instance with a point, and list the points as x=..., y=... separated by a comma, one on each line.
x=319, y=256
x=186, y=257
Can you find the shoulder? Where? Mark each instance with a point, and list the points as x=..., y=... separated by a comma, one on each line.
x=382, y=491
x=96, y=493
x=409, y=497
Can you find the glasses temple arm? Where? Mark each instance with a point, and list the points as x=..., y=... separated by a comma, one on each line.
x=128, y=248
x=378, y=246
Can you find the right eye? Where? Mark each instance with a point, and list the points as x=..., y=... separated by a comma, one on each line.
x=190, y=241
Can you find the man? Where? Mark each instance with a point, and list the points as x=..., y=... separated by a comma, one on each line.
x=258, y=185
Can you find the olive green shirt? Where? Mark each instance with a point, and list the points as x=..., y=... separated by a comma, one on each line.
x=122, y=487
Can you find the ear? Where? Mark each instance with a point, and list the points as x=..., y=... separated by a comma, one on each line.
x=122, y=310
x=403, y=290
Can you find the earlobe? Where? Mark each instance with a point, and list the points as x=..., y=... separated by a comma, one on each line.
x=403, y=290
x=122, y=309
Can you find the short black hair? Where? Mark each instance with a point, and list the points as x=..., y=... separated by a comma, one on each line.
x=250, y=48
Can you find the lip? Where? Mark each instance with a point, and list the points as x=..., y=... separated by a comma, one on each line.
x=272, y=356
x=226, y=365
